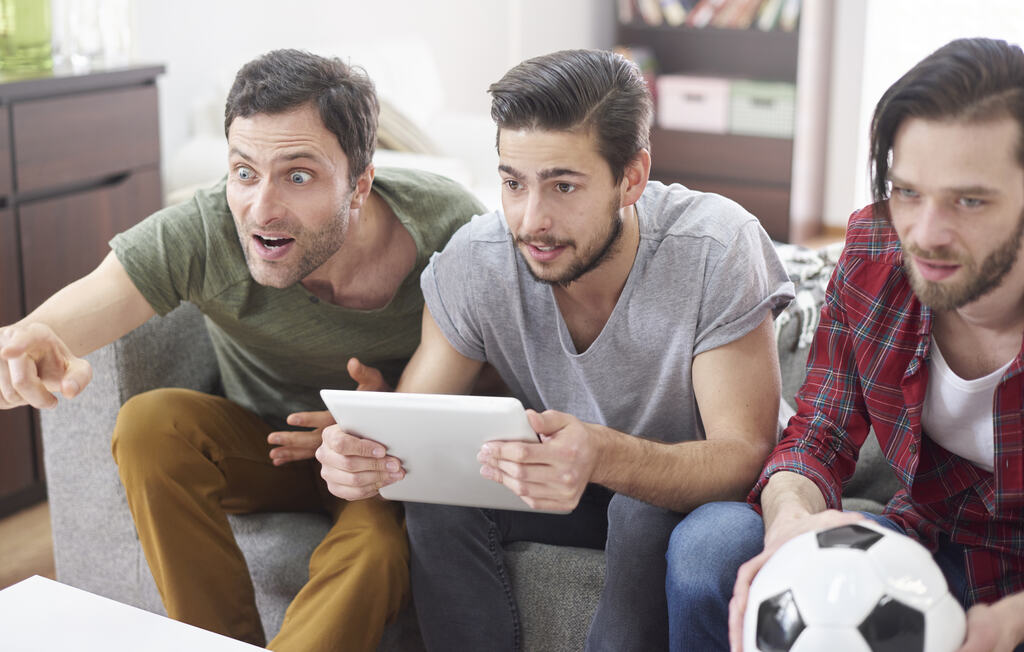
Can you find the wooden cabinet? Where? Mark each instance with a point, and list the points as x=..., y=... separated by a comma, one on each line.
x=756, y=171
x=79, y=162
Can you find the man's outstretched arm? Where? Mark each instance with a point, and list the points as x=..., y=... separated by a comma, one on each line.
x=39, y=355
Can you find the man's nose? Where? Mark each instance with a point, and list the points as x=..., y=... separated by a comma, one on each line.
x=535, y=217
x=266, y=204
x=933, y=229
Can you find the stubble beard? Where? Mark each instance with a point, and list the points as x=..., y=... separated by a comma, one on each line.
x=589, y=261
x=319, y=246
x=980, y=279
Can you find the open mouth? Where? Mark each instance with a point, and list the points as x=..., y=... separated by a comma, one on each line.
x=273, y=243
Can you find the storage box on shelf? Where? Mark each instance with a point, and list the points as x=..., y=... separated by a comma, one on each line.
x=759, y=108
x=691, y=103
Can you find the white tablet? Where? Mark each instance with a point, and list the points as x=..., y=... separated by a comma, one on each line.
x=437, y=438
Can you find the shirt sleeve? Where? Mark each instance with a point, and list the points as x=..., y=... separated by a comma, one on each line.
x=822, y=440
x=743, y=285
x=164, y=255
x=447, y=284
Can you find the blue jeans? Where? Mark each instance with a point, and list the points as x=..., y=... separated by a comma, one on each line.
x=461, y=588
x=705, y=553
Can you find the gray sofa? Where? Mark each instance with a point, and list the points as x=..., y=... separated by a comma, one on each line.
x=95, y=544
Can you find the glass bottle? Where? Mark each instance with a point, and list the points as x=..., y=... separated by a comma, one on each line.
x=25, y=36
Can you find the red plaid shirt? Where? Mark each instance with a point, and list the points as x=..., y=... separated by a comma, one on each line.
x=868, y=368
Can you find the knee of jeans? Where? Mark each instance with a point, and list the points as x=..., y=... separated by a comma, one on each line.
x=702, y=548
x=428, y=523
x=143, y=423
x=637, y=525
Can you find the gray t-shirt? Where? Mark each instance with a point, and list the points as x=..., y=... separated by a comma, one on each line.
x=276, y=348
x=705, y=274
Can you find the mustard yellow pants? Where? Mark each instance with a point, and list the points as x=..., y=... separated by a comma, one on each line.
x=188, y=459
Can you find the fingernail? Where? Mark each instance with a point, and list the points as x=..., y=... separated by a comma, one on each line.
x=392, y=466
x=395, y=476
x=378, y=452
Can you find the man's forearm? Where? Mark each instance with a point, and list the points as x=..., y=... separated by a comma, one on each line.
x=94, y=310
x=680, y=476
x=789, y=493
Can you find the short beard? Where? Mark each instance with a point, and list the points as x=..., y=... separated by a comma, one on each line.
x=320, y=246
x=993, y=270
x=582, y=266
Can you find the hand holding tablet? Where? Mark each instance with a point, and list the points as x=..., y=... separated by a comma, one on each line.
x=436, y=439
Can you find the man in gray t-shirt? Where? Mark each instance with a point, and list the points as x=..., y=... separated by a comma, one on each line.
x=633, y=319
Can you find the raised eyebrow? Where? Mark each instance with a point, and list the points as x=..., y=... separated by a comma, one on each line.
x=301, y=154
x=511, y=171
x=291, y=156
x=551, y=173
x=543, y=175
x=234, y=151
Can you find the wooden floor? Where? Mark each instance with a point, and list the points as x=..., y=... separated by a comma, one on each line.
x=26, y=545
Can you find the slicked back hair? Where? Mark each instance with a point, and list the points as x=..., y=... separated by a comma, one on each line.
x=586, y=90
x=343, y=95
x=973, y=80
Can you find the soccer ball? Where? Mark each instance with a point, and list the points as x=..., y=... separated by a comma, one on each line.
x=854, y=588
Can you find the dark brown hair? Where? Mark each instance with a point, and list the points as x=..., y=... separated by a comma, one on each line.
x=591, y=90
x=972, y=80
x=344, y=96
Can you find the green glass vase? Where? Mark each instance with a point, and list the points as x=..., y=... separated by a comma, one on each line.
x=25, y=36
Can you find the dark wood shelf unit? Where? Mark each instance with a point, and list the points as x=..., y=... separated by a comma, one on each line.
x=752, y=170
x=79, y=162
x=740, y=53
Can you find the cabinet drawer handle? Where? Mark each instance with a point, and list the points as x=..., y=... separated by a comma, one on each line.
x=114, y=180
x=101, y=183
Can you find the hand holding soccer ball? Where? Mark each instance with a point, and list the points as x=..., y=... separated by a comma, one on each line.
x=852, y=588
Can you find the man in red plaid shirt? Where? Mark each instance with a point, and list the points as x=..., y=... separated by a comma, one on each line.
x=921, y=339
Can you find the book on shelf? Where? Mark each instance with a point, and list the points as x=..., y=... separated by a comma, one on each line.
x=736, y=14
x=768, y=15
x=789, y=15
x=650, y=11
x=703, y=13
x=674, y=12
x=765, y=15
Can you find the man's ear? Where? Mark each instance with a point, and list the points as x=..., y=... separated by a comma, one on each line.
x=634, y=177
x=362, y=190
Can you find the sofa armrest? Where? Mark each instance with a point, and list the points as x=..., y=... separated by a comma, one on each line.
x=95, y=545
x=873, y=483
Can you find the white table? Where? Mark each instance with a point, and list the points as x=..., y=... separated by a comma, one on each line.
x=40, y=615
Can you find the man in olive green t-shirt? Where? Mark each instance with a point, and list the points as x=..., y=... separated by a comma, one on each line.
x=305, y=262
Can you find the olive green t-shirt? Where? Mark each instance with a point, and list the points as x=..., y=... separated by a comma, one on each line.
x=277, y=348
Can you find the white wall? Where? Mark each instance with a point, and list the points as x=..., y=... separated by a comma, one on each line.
x=472, y=43
x=876, y=42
